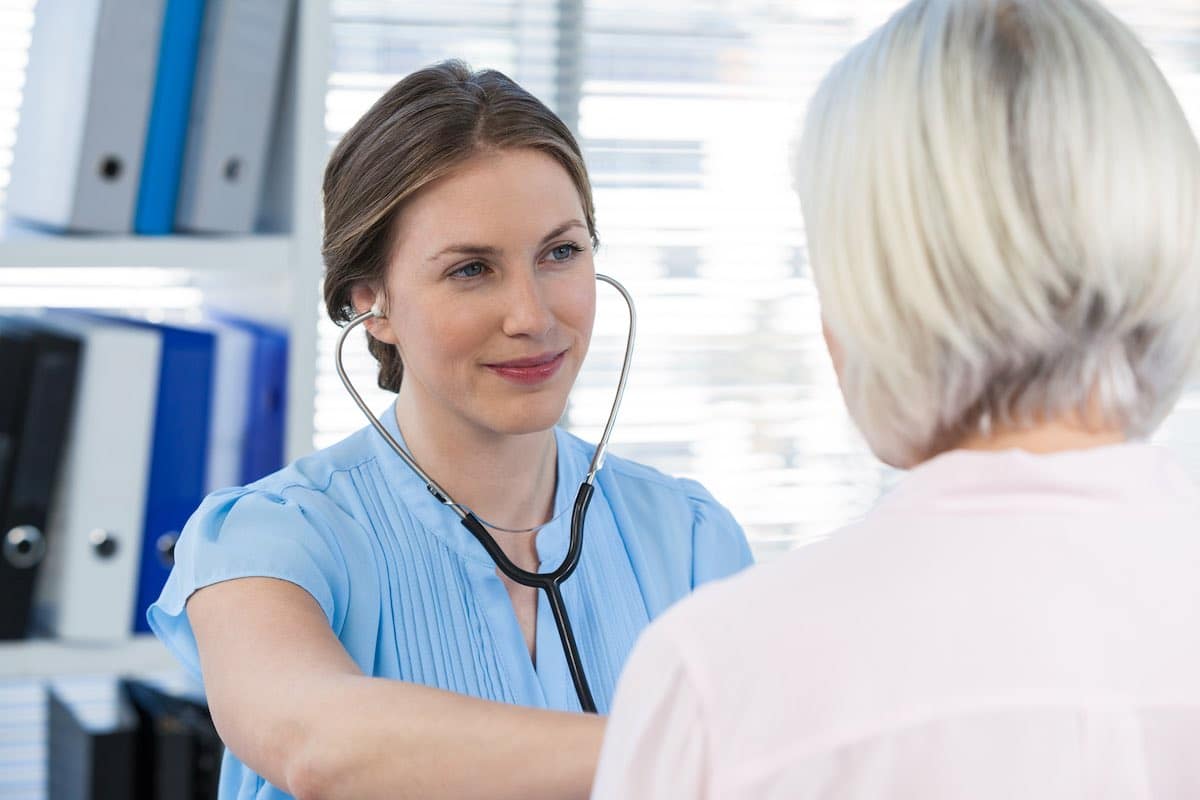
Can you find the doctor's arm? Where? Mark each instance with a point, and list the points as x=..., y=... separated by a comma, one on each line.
x=293, y=706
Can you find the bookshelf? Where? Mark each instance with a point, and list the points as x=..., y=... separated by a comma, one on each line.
x=268, y=254
x=284, y=269
x=42, y=658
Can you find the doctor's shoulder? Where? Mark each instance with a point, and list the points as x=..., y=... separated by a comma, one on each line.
x=318, y=471
x=675, y=520
x=322, y=488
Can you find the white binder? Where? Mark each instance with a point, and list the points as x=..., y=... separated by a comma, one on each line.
x=90, y=577
x=234, y=102
x=230, y=405
x=78, y=155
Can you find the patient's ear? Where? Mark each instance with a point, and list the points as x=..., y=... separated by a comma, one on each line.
x=363, y=298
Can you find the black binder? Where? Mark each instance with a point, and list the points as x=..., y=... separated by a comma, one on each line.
x=16, y=354
x=38, y=399
x=179, y=751
x=92, y=744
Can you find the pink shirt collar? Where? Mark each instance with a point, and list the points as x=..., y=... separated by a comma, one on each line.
x=1073, y=480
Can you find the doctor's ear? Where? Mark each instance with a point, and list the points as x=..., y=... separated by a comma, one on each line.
x=364, y=299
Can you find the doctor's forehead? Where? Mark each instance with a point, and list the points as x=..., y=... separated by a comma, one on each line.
x=507, y=198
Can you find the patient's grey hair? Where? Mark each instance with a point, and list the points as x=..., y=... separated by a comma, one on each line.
x=1001, y=199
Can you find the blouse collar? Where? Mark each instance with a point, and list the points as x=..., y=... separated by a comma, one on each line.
x=440, y=521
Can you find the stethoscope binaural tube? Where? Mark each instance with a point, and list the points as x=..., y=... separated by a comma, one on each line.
x=550, y=582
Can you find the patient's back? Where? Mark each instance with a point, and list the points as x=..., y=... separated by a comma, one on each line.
x=1001, y=625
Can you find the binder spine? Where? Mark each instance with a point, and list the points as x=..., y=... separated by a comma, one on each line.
x=89, y=579
x=15, y=354
x=166, y=133
x=118, y=102
x=179, y=459
x=268, y=407
x=238, y=76
x=51, y=397
x=93, y=746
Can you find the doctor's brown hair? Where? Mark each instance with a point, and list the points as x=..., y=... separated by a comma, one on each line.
x=419, y=131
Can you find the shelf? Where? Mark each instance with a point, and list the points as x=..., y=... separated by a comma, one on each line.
x=45, y=658
x=261, y=253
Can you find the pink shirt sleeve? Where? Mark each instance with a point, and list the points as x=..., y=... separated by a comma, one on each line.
x=656, y=742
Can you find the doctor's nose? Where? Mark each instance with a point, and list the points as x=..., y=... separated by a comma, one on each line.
x=526, y=311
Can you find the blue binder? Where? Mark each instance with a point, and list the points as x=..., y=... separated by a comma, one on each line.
x=267, y=413
x=178, y=457
x=162, y=163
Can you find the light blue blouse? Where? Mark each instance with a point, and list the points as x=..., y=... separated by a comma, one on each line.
x=412, y=595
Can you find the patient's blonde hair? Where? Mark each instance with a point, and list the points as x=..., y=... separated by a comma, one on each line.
x=1001, y=199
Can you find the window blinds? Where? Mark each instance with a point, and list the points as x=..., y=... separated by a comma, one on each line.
x=685, y=113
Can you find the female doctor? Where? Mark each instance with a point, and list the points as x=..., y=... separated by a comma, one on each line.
x=355, y=640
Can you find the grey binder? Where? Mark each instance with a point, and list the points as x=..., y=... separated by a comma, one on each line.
x=78, y=155
x=88, y=587
x=234, y=103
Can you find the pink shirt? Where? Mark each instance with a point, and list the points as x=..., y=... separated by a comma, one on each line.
x=1002, y=625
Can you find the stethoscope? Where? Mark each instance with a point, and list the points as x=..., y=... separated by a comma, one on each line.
x=550, y=582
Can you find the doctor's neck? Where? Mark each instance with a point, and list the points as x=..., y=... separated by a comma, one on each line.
x=507, y=479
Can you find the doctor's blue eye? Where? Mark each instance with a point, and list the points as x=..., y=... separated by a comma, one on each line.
x=472, y=270
x=565, y=252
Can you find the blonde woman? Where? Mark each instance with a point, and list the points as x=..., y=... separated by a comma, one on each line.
x=1002, y=201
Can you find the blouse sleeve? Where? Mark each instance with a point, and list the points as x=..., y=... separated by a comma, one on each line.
x=719, y=547
x=656, y=741
x=243, y=533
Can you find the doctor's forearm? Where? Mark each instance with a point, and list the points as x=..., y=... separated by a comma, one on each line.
x=293, y=706
x=374, y=738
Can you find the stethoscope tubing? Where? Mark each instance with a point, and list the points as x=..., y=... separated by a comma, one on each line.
x=549, y=582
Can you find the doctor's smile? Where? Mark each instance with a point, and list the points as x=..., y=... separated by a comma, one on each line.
x=530, y=371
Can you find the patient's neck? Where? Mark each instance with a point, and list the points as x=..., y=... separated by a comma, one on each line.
x=1046, y=437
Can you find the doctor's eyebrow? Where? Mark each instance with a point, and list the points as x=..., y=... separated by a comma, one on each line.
x=487, y=251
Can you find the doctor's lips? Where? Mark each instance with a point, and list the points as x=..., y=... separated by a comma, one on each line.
x=530, y=371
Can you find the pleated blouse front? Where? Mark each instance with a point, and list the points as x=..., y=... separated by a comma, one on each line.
x=412, y=595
